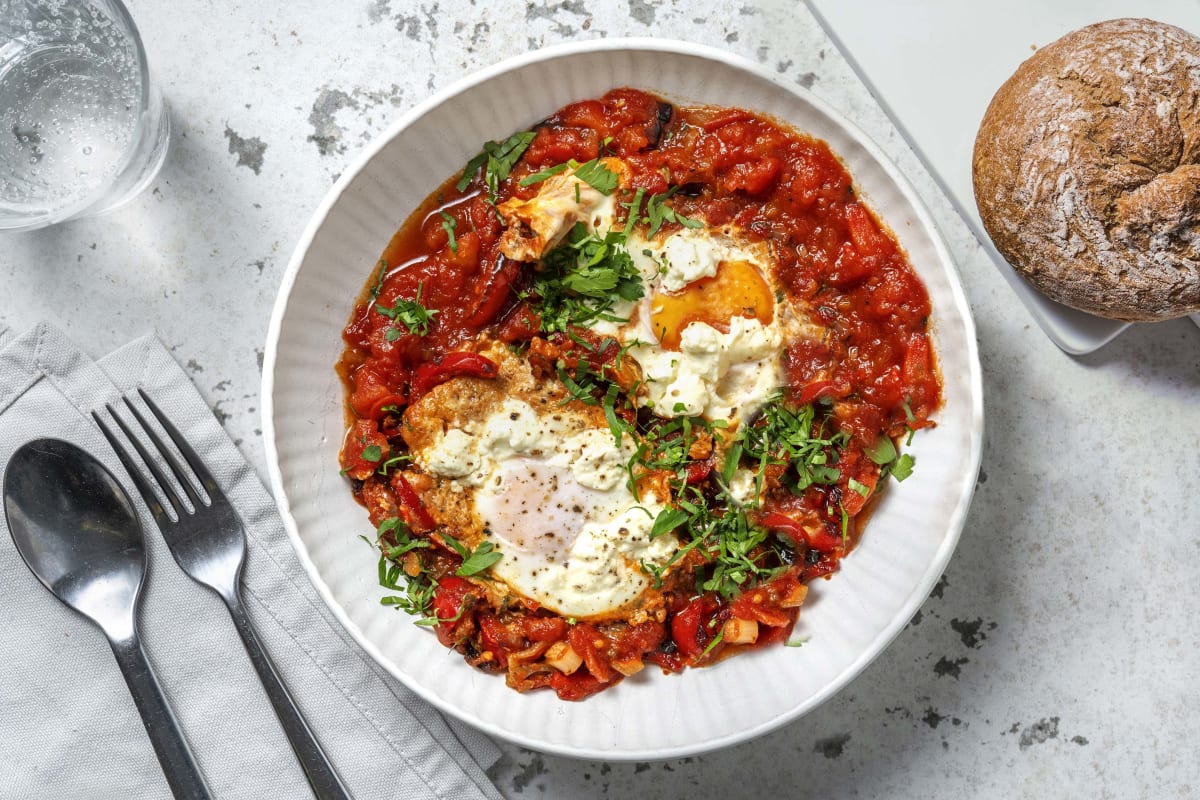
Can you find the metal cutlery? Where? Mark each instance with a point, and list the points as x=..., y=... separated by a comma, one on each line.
x=207, y=539
x=78, y=532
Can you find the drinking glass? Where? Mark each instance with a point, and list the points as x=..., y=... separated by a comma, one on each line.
x=82, y=127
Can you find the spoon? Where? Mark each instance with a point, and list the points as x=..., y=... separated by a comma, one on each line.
x=78, y=532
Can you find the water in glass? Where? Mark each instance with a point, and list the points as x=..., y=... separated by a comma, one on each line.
x=80, y=128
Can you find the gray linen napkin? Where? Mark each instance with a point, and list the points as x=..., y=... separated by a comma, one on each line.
x=68, y=727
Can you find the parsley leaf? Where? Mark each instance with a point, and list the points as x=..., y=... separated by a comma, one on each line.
x=378, y=286
x=386, y=466
x=549, y=172
x=861, y=488
x=617, y=425
x=883, y=452
x=715, y=641
x=372, y=452
x=470, y=169
x=483, y=557
x=474, y=561
x=890, y=461
x=903, y=467
x=667, y=520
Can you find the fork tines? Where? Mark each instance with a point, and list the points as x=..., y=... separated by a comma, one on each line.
x=166, y=488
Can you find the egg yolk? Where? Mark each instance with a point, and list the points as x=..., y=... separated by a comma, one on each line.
x=738, y=289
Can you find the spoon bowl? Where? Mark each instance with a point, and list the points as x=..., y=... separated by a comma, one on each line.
x=79, y=533
x=71, y=521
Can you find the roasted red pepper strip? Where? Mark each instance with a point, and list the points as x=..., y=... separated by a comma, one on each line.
x=577, y=686
x=417, y=517
x=760, y=607
x=377, y=407
x=496, y=639
x=698, y=471
x=821, y=541
x=492, y=301
x=364, y=437
x=726, y=117
x=816, y=389
x=689, y=627
x=452, y=365
x=587, y=641
x=519, y=324
x=449, y=606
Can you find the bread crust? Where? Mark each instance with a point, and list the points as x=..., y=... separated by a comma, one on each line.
x=1087, y=170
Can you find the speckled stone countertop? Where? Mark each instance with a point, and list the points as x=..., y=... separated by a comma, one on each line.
x=1059, y=656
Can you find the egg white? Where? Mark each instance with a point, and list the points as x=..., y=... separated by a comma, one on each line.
x=549, y=490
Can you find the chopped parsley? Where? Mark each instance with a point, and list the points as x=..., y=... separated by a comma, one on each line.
x=497, y=160
x=598, y=176
x=449, y=225
x=474, y=561
x=409, y=313
x=548, y=172
x=668, y=520
x=415, y=596
x=890, y=461
x=377, y=287
x=901, y=468
x=716, y=640
x=582, y=385
x=658, y=212
x=582, y=279
x=593, y=173
x=387, y=466
x=739, y=553
x=790, y=437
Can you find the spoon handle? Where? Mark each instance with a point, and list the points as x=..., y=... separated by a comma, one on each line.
x=322, y=777
x=178, y=763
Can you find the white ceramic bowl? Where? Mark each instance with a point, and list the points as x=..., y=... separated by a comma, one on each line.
x=848, y=619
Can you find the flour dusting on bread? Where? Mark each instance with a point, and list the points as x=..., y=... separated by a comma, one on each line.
x=1087, y=170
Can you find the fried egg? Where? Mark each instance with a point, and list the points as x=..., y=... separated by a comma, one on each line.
x=709, y=333
x=545, y=482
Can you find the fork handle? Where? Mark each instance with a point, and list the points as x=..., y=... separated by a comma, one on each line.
x=174, y=755
x=325, y=782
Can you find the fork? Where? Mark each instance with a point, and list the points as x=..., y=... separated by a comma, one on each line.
x=208, y=542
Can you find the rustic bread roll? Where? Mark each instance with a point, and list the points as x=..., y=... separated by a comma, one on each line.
x=1087, y=170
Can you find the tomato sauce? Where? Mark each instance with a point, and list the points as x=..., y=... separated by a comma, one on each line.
x=873, y=376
